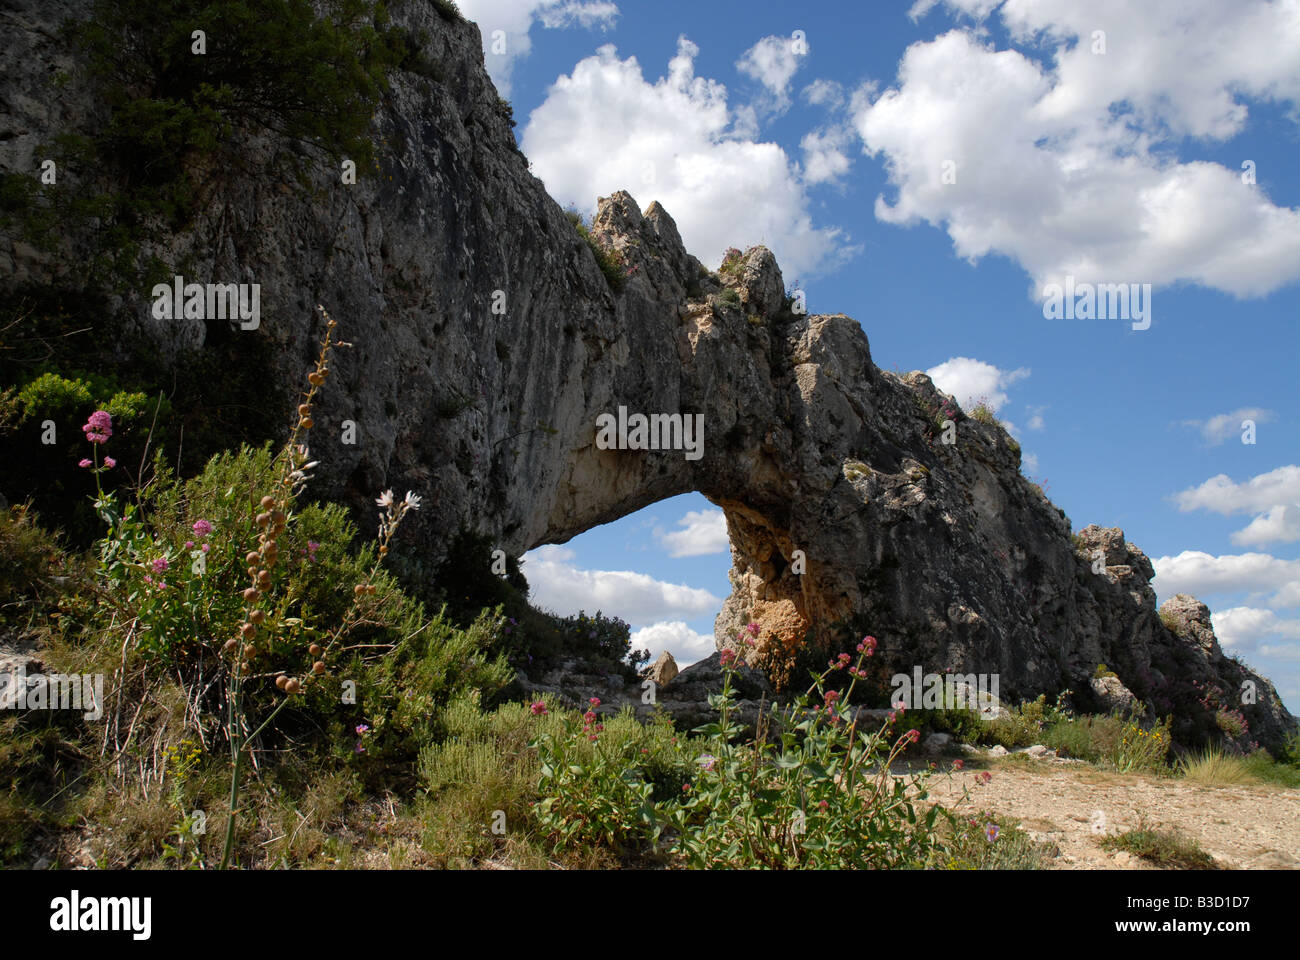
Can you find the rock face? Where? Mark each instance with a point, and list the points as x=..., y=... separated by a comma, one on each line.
x=853, y=503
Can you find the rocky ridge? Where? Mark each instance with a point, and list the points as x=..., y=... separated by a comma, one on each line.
x=847, y=509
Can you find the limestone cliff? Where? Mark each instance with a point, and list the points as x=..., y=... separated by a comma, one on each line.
x=847, y=510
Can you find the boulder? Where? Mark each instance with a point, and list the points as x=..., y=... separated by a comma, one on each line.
x=1112, y=695
x=662, y=670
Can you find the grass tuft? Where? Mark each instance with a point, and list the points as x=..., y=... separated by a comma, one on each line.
x=1166, y=848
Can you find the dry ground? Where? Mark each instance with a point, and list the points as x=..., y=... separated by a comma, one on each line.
x=1073, y=805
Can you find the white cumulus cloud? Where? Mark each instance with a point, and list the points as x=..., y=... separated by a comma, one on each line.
x=823, y=93
x=1280, y=525
x=825, y=155
x=556, y=584
x=1061, y=158
x=773, y=62
x=1202, y=575
x=604, y=127
x=1221, y=495
x=1274, y=496
x=1241, y=629
x=703, y=532
x=971, y=381
x=677, y=638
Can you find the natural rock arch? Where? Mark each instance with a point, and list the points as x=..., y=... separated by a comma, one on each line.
x=487, y=341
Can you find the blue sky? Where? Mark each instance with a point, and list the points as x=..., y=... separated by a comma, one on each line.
x=929, y=169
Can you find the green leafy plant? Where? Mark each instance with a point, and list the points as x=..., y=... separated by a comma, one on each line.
x=1142, y=748
x=254, y=592
x=818, y=793
x=1166, y=848
x=984, y=414
x=592, y=796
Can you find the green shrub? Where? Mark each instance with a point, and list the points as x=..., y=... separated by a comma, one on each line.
x=483, y=764
x=733, y=264
x=611, y=262
x=818, y=794
x=224, y=592
x=40, y=430
x=32, y=566
x=1022, y=727
x=1265, y=769
x=156, y=543
x=448, y=10
x=729, y=296
x=966, y=726
x=1142, y=748
x=1215, y=767
x=304, y=74
x=984, y=414
x=1166, y=848
x=1091, y=738
x=987, y=841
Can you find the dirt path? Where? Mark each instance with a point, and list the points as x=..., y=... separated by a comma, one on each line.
x=1072, y=806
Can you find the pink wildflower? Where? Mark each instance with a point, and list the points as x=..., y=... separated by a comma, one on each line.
x=202, y=527
x=160, y=565
x=99, y=427
x=109, y=463
x=84, y=464
x=538, y=708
